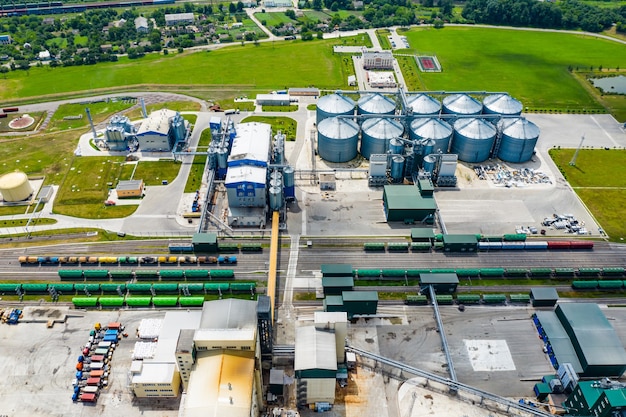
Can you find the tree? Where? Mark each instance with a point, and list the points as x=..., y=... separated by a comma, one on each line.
x=290, y=13
x=232, y=8
x=317, y=4
x=239, y=7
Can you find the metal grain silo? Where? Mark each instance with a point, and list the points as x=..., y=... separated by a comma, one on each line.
x=276, y=198
x=423, y=104
x=375, y=103
x=518, y=140
x=333, y=105
x=396, y=146
x=289, y=178
x=430, y=161
x=461, y=104
x=376, y=133
x=473, y=139
x=502, y=104
x=337, y=139
x=397, y=168
x=432, y=128
x=14, y=186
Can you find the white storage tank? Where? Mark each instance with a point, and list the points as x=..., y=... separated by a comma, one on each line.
x=518, y=140
x=375, y=103
x=432, y=128
x=473, y=139
x=333, y=105
x=502, y=104
x=337, y=139
x=423, y=104
x=461, y=104
x=276, y=198
x=376, y=134
x=14, y=186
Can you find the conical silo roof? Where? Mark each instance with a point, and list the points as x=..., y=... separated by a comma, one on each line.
x=430, y=128
x=376, y=104
x=335, y=103
x=385, y=128
x=519, y=128
x=473, y=128
x=338, y=128
x=462, y=104
x=502, y=104
x=423, y=104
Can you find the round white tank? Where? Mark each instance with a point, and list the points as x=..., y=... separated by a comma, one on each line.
x=14, y=186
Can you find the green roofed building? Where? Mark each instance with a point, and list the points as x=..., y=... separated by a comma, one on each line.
x=336, y=270
x=360, y=302
x=602, y=398
x=543, y=297
x=333, y=303
x=422, y=235
x=204, y=242
x=444, y=283
x=460, y=243
x=337, y=285
x=404, y=203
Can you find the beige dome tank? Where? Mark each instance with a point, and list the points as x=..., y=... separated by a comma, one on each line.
x=14, y=186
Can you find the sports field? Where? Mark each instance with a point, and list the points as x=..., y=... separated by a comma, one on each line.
x=531, y=66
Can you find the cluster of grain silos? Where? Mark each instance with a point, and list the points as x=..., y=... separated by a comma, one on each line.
x=460, y=124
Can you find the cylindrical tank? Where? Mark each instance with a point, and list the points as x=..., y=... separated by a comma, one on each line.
x=14, y=186
x=429, y=163
x=177, y=125
x=333, y=105
x=376, y=134
x=212, y=158
x=429, y=146
x=276, y=175
x=396, y=146
x=114, y=133
x=423, y=104
x=473, y=139
x=397, y=168
x=276, y=198
x=289, y=181
x=518, y=140
x=222, y=158
x=337, y=139
x=375, y=103
x=461, y=104
x=432, y=128
x=502, y=104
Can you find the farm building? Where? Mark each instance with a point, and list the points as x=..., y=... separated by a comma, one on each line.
x=377, y=60
x=129, y=189
x=405, y=203
x=161, y=130
x=141, y=24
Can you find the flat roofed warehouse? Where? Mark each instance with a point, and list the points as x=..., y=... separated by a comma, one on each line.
x=130, y=188
x=405, y=203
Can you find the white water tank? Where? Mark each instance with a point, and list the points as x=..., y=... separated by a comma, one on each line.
x=14, y=186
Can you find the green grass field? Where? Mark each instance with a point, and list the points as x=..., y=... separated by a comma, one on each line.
x=599, y=179
x=273, y=18
x=154, y=172
x=531, y=66
x=99, y=112
x=194, y=180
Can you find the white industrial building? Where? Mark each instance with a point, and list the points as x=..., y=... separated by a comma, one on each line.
x=377, y=60
x=161, y=130
x=381, y=79
x=273, y=100
x=320, y=358
x=213, y=355
x=246, y=177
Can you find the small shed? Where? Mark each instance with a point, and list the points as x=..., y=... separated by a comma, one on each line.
x=204, y=242
x=129, y=189
x=543, y=297
x=422, y=235
x=328, y=182
x=460, y=243
x=337, y=285
x=426, y=187
x=333, y=303
x=444, y=283
x=336, y=270
x=360, y=302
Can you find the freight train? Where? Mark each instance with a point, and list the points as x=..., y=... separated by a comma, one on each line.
x=144, y=274
x=467, y=299
x=57, y=7
x=126, y=260
x=483, y=245
x=556, y=273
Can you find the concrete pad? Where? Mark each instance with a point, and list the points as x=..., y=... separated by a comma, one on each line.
x=489, y=355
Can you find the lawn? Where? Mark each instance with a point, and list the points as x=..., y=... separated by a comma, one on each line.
x=155, y=172
x=531, y=66
x=194, y=180
x=286, y=125
x=274, y=18
x=99, y=112
x=37, y=116
x=179, y=106
x=599, y=179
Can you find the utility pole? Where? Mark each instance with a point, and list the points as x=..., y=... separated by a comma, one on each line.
x=580, y=145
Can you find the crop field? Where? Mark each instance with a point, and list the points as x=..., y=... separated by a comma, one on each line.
x=276, y=65
x=531, y=66
x=599, y=179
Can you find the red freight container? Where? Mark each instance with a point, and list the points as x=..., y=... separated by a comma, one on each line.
x=114, y=325
x=10, y=109
x=558, y=244
x=88, y=397
x=581, y=245
x=96, y=374
x=97, y=358
x=93, y=381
